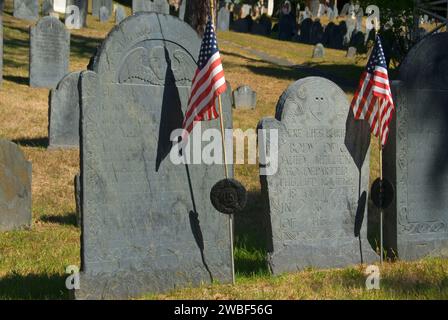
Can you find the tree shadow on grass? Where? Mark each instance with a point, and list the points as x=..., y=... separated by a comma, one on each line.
x=17, y=79
x=251, y=237
x=68, y=219
x=33, y=286
x=84, y=47
x=41, y=142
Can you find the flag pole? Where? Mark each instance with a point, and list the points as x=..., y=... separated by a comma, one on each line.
x=381, y=181
x=221, y=120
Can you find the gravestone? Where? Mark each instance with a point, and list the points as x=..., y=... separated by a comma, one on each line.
x=82, y=6
x=97, y=4
x=313, y=197
x=319, y=51
x=147, y=224
x=47, y=7
x=415, y=157
x=1, y=48
x=223, y=19
x=104, y=14
x=120, y=14
x=49, y=52
x=244, y=98
x=63, y=129
x=15, y=187
x=351, y=52
x=159, y=6
x=182, y=8
x=351, y=25
x=26, y=9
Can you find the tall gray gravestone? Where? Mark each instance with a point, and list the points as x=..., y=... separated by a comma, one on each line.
x=97, y=4
x=82, y=6
x=223, y=19
x=26, y=9
x=416, y=157
x=147, y=224
x=63, y=128
x=159, y=6
x=49, y=52
x=15, y=187
x=313, y=197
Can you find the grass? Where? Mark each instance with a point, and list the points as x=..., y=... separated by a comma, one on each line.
x=32, y=262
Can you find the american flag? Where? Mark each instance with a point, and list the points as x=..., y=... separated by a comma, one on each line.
x=374, y=89
x=208, y=82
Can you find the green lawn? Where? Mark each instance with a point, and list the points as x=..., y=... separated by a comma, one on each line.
x=32, y=262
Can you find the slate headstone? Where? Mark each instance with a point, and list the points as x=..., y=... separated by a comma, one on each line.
x=63, y=130
x=15, y=187
x=147, y=224
x=159, y=6
x=26, y=9
x=415, y=156
x=313, y=197
x=244, y=98
x=351, y=52
x=82, y=6
x=120, y=14
x=223, y=19
x=49, y=52
x=319, y=51
x=104, y=14
x=97, y=4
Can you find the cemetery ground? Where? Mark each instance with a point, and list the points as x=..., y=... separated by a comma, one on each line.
x=33, y=262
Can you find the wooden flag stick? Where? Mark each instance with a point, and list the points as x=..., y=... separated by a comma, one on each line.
x=381, y=181
x=223, y=142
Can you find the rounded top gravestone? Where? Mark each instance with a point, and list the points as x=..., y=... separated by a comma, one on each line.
x=147, y=222
x=314, y=195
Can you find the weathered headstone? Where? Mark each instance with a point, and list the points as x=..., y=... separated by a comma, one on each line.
x=63, y=129
x=47, y=7
x=313, y=197
x=49, y=52
x=416, y=157
x=223, y=19
x=104, y=14
x=26, y=9
x=15, y=187
x=82, y=6
x=244, y=98
x=97, y=4
x=120, y=14
x=319, y=51
x=159, y=6
x=351, y=52
x=147, y=224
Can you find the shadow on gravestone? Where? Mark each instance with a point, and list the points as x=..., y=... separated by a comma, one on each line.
x=144, y=231
x=316, y=170
x=15, y=187
x=416, y=157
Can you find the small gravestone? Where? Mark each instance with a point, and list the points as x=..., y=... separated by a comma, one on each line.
x=120, y=14
x=223, y=19
x=97, y=4
x=26, y=9
x=63, y=130
x=313, y=196
x=1, y=48
x=49, y=52
x=319, y=51
x=244, y=98
x=104, y=14
x=159, y=6
x=416, y=157
x=148, y=225
x=47, y=7
x=82, y=6
x=15, y=187
x=351, y=52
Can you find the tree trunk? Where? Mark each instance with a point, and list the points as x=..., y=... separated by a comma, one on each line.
x=196, y=13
